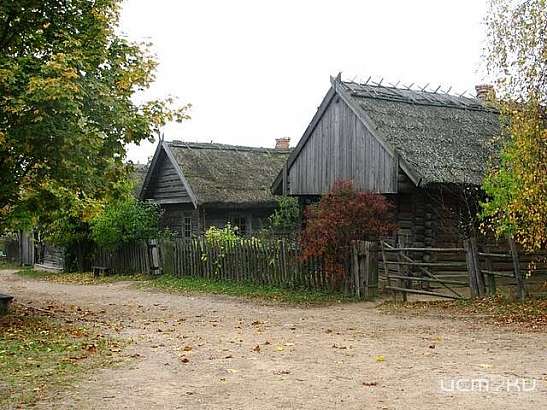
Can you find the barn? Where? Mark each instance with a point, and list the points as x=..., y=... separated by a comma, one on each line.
x=426, y=151
x=199, y=185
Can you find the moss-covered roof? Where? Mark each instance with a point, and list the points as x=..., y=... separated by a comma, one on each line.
x=445, y=138
x=219, y=173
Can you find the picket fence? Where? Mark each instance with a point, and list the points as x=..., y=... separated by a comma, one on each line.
x=262, y=262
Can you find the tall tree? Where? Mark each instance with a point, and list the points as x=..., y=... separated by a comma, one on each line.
x=516, y=59
x=67, y=79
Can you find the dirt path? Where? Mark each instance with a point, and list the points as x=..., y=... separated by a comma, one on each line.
x=325, y=357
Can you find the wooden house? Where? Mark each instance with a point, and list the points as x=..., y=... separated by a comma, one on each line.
x=422, y=149
x=201, y=185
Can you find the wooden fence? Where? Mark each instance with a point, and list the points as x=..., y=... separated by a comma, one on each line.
x=262, y=262
x=456, y=273
x=130, y=259
x=469, y=271
x=276, y=263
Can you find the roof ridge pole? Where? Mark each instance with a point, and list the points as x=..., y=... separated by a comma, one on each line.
x=337, y=79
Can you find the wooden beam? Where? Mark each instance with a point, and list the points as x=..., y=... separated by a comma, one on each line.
x=423, y=292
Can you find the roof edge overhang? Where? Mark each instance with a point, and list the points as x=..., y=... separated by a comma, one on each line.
x=163, y=146
x=270, y=204
x=180, y=174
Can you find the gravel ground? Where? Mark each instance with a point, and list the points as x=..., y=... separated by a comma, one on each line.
x=218, y=352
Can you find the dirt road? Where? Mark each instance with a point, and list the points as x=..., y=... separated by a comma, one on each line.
x=346, y=356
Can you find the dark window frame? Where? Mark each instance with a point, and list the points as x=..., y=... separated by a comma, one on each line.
x=187, y=227
x=241, y=222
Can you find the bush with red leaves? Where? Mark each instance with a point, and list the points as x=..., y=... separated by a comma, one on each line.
x=342, y=216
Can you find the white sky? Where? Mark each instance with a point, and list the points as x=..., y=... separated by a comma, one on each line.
x=257, y=70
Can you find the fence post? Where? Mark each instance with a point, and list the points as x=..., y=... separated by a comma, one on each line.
x=154, y=255
x=355, y=268
x=491, y=277
x=371, y=269
x=470, y=260
x=478, y=273
x=402, y=270
x=476, y=281
x=521, y=291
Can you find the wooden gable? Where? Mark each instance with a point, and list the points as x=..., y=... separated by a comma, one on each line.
x=338, y=145
x=164, y=182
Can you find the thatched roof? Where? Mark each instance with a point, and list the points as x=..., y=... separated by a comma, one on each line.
x=220, y=174
x=444, y=138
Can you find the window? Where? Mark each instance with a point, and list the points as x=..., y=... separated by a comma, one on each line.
x=187, y=227
x=239, y=222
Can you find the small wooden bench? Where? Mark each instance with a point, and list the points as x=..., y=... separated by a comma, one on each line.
x=98, y=270
x=5, y=300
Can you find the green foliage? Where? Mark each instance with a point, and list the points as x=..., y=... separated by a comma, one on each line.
x=221, y=236
x=517, y=61
x=220, y=239
x=67, y=81
x=285, y=220
x=124, y=222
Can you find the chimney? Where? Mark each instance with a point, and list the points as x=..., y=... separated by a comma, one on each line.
x=282, y=143
x=485, y=92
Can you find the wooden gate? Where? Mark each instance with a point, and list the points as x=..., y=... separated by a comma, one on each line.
x=403, y=272
x=363, y=279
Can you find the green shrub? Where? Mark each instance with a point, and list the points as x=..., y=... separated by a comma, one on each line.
x=125, y=222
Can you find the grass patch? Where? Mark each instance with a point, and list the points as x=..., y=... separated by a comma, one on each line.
x=188, y=284
x=9, y=265
x=530, y=314
x=80, y=278
x=39, y=352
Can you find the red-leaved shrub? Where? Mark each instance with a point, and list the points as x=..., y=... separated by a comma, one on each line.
x=342, y=216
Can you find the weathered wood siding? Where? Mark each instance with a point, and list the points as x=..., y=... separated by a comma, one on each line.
x=165, y=185
x=341, y=147
x=173, y=218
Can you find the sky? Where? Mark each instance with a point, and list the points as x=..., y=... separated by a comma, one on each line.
x=257, y=70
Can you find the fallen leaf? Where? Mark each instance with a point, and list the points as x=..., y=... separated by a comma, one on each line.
x=279, y=348
x=184, y=359
x=187, y=348
x=231, y=370
x=379, y=358
x=370, y=383
x=257, y=349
